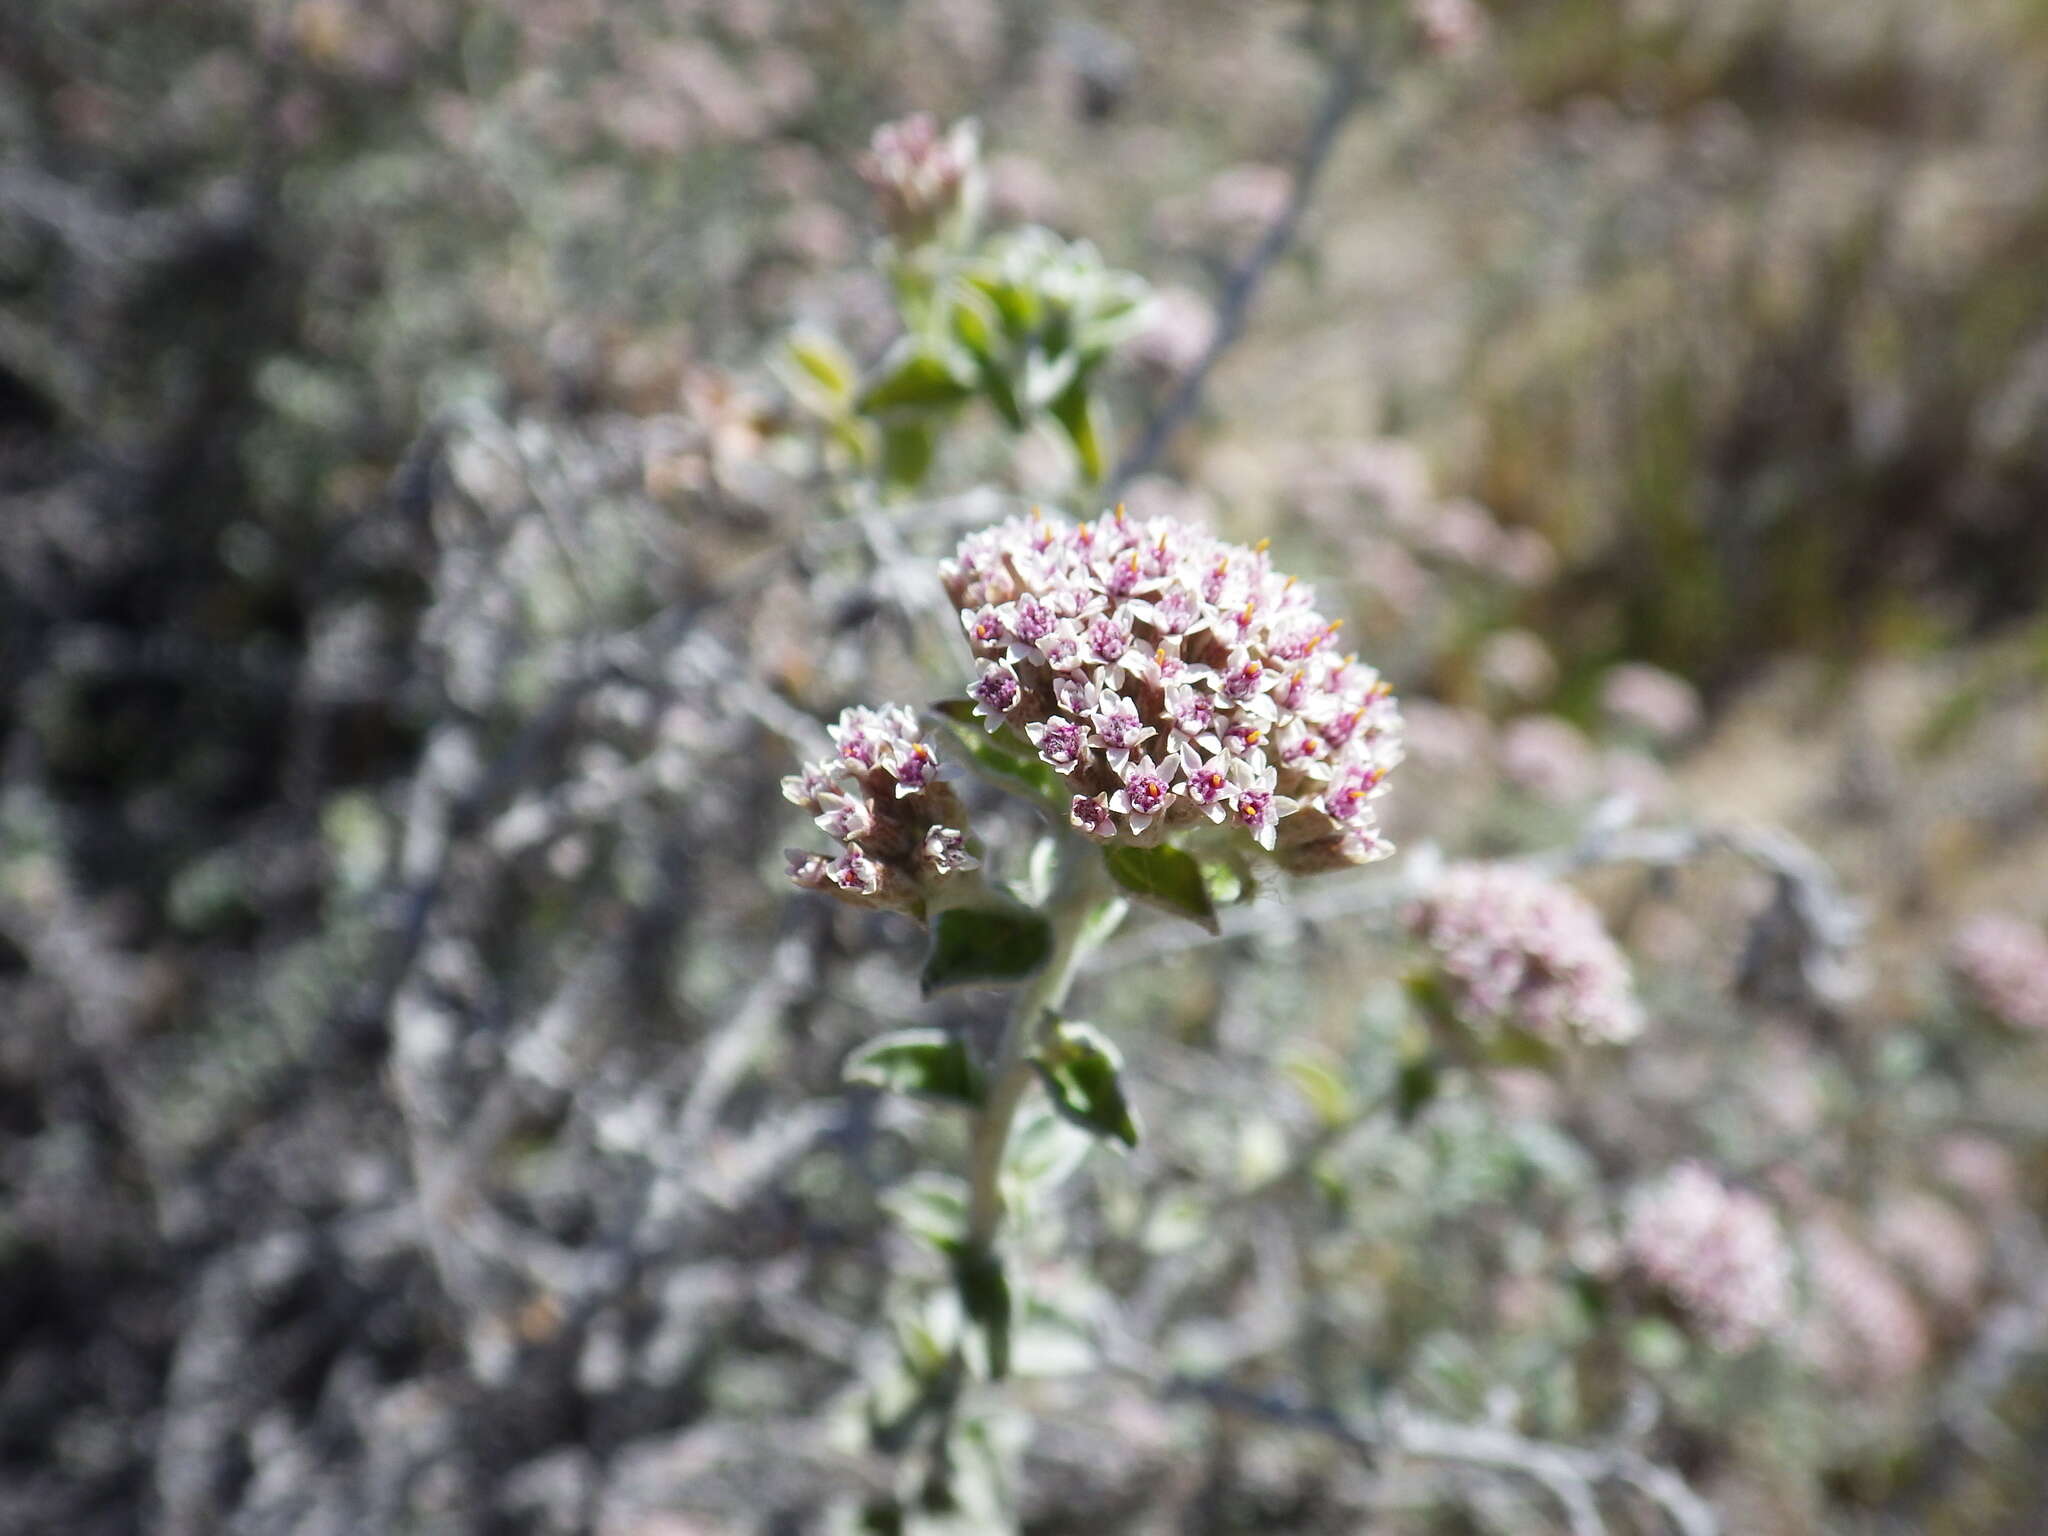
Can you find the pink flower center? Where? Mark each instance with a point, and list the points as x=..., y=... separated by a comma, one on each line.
x=1242, y=682
x=1034, y=620
x=1108, y=640
x=1147, y=793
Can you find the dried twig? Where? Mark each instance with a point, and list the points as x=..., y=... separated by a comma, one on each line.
x=1570, y=1474
x=1349, y=85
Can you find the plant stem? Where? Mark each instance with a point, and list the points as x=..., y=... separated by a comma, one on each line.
x=1072, y=910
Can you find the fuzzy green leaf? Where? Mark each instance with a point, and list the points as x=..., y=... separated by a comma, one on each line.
x=984, y=946
x=818, y=371
x=1166, y=877
x=985, y=1297
x=1415, y=1085
x=1322, y=1085
x=908, y=448
x=917, y=379
x=931, y=1207
x=927, y=1063
x=1074, y=409
x=1080, y=1068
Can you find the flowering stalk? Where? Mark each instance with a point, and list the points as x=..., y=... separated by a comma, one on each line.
x=1073, y=911
x=1139, y=682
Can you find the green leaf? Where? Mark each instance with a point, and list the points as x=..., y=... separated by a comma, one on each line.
x=1167, y=877
x=907, y=451
x=1322, y=1085
x=1044, y=1149
x=1079, y=1066
x=1073, y=409
x=818, y=371
x=931, y=1207
x=916, y=379
x=1002, y=394
x=1117, y=311
x=1415, y=1085
x=1229, y=878
x=984, y=946
x=985, y=1297
x=976, y=324
x=1048, y=378
x=1016, y=303
x=927, y=1063
x=1004, y=760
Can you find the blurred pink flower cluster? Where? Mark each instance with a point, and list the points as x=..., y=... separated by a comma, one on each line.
x=1659, y=704
x=2002, y=963
x=1716, y=1252
x=1518, y=950
x=884, y=798
x=1864, y=1327
x=1172, y=680
x=920, y=176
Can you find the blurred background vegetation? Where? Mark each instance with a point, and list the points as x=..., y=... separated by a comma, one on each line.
x=418, y=1093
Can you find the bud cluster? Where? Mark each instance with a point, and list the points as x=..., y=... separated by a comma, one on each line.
x=1717, y=1253
x=1175, y=681
x=919, y=175
x=1517, y=950
x=883, y=797
x=2003, y=963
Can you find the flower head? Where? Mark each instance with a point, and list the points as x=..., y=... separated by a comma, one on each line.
x=883, y=796
x=1650, y=701
x=922, y=177
x=1716, y=1252
x=1515, y=949
x=1864, y=1329
x=1176, y=680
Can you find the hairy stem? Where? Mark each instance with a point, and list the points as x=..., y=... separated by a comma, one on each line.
x=1072, y=910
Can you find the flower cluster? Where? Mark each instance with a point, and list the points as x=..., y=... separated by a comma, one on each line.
x=2003, y=963
x=1175, y=681
x=1865, y=1328
x=1518, y=950
x=885, y=798
x=1717, y=1253
x=1650, y=701
x=920, y=176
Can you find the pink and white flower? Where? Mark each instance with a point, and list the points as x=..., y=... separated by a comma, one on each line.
x=854, y=872
x=1152, y=637
x=1146, y=793
x=1717, y=1252
x=1061, y=742
x=945, y=850
x=1091, y=814
x=1211, y=783
x=995, y=694
x=1515, y=949
x=1118, y=727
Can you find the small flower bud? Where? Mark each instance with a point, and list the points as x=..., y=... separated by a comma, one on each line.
x=923, y=179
